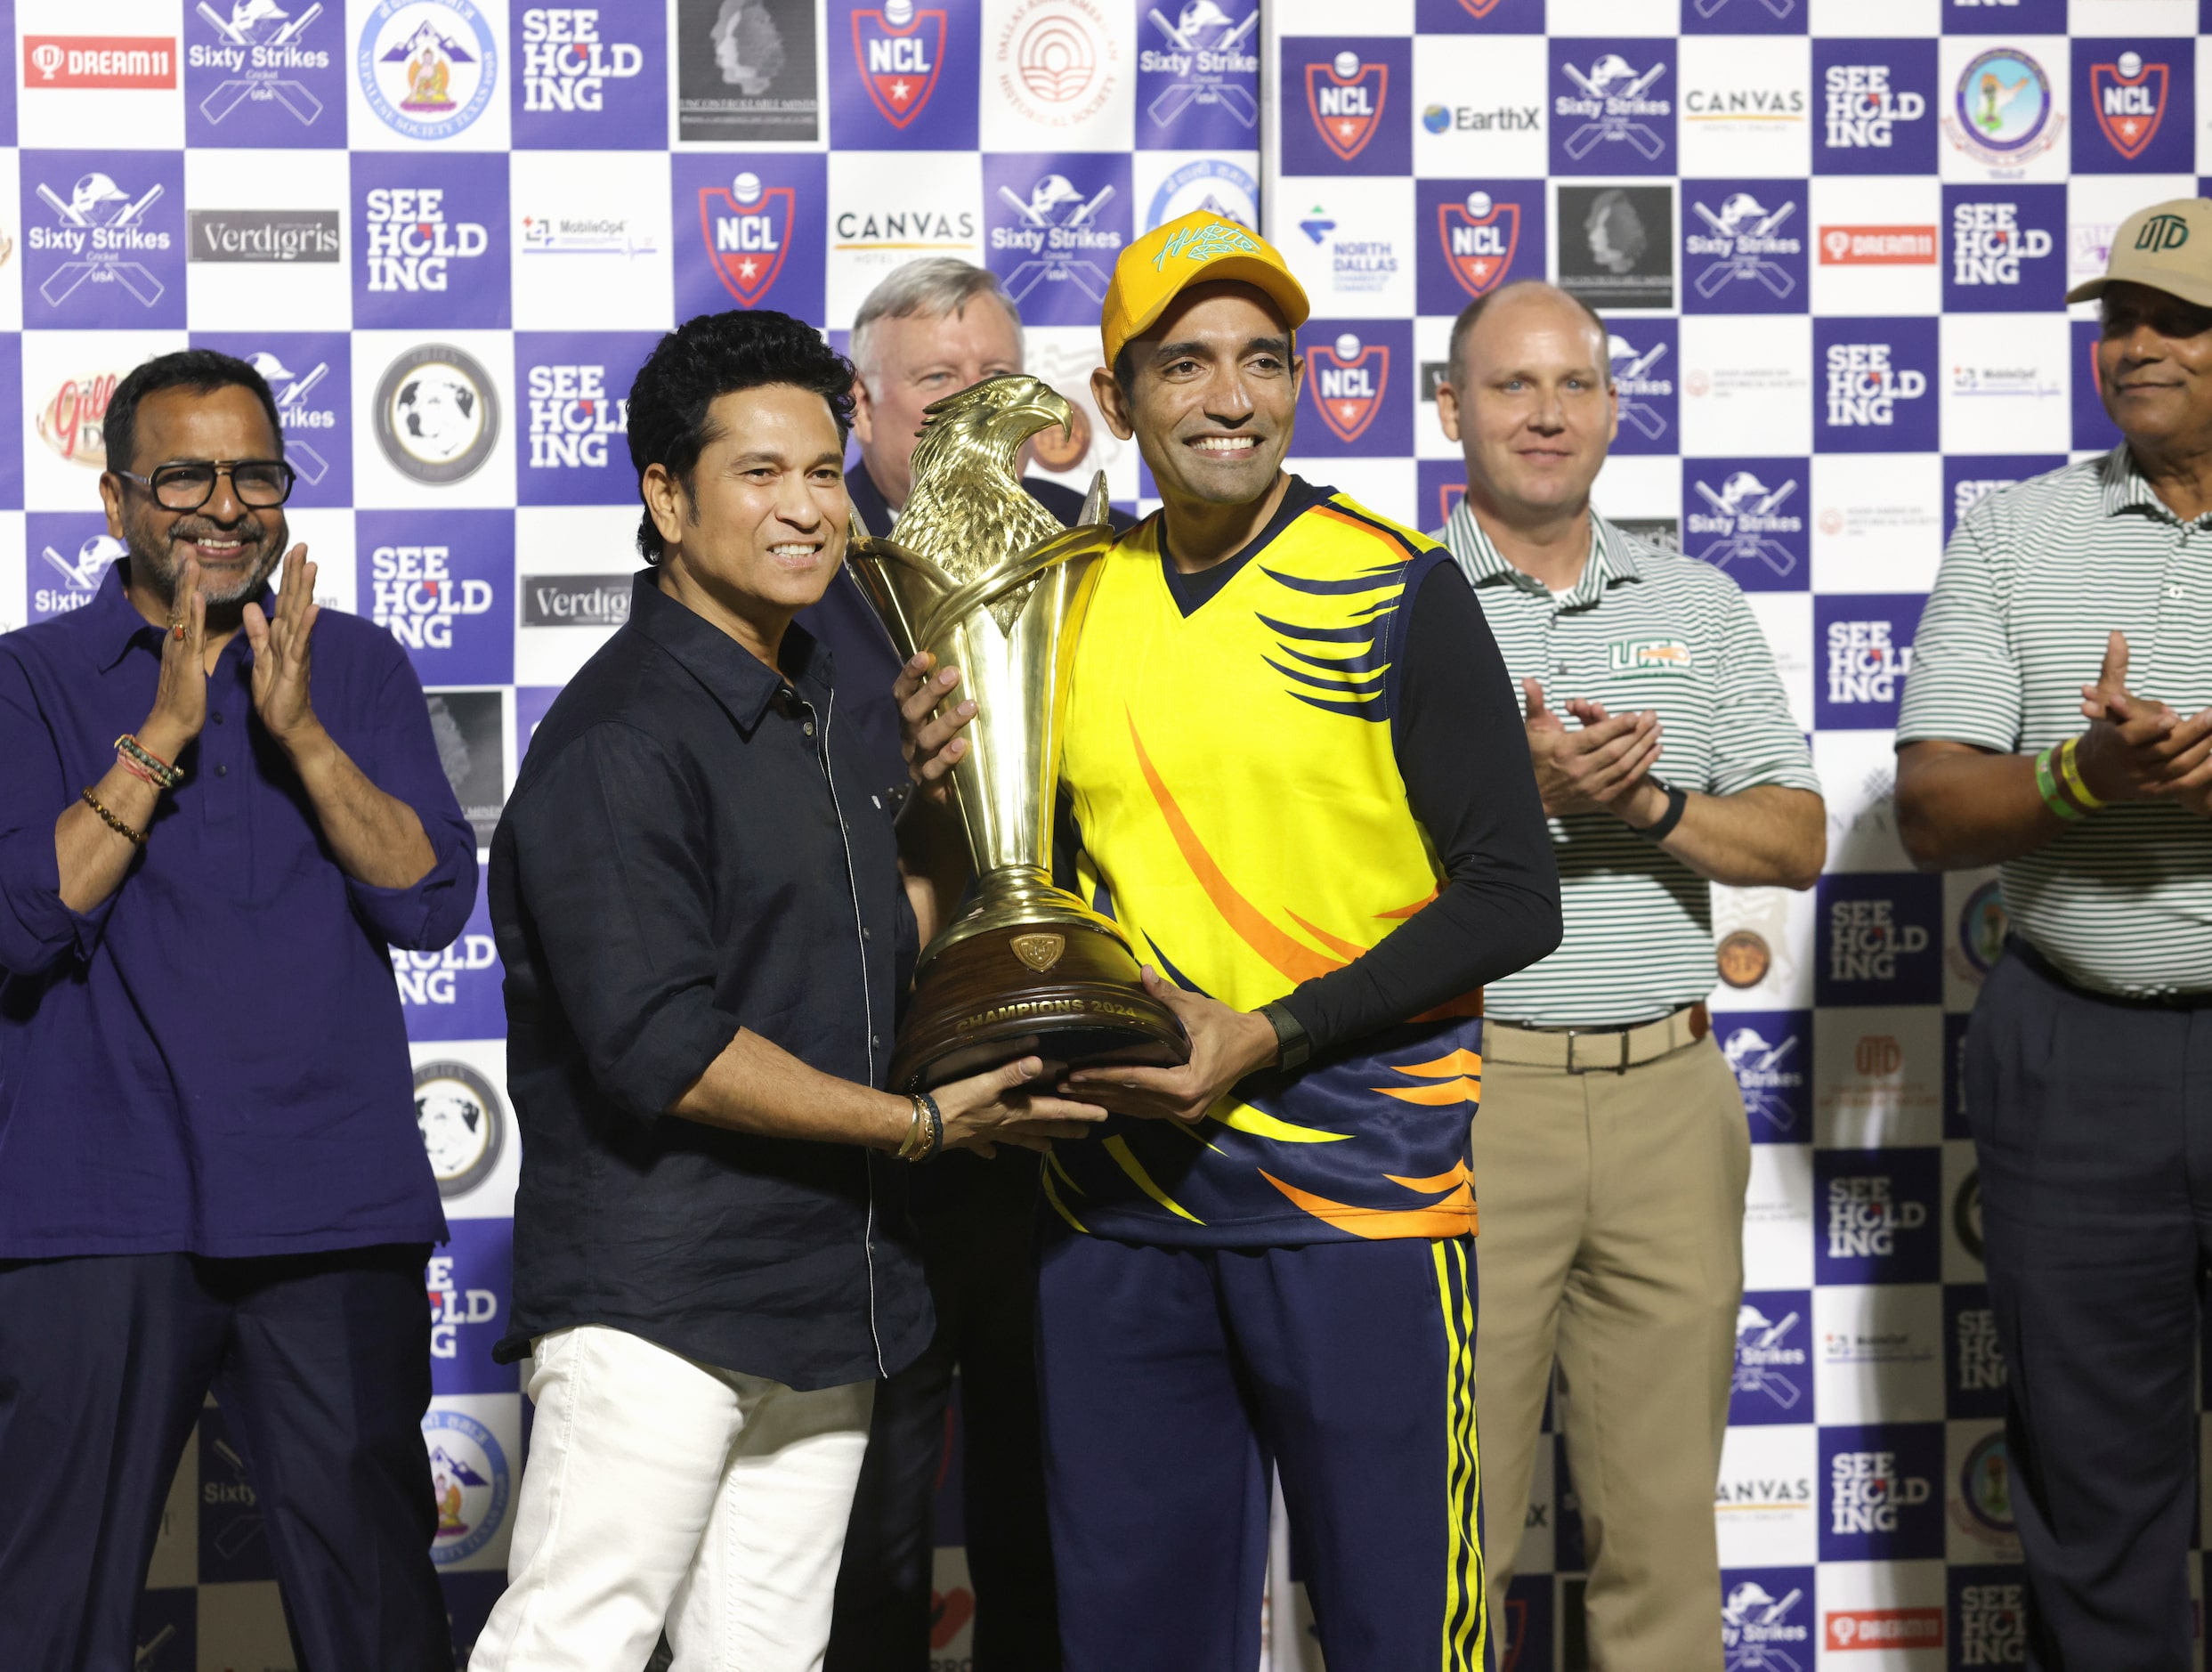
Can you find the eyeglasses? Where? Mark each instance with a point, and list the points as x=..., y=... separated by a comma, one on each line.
x=259, y=483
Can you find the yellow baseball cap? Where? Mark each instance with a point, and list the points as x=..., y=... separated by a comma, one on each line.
x=2167, y=247
x=1196, y=248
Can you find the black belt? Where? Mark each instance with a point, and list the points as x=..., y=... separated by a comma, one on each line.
x=2017, y=947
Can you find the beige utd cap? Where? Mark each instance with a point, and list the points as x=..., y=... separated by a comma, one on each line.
x=2167, y=247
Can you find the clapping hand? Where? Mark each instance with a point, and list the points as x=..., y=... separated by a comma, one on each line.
x=1599, y=768
x=2137, y=748
x=281, y=652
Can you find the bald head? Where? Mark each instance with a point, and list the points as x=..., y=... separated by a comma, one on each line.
x=1517, y=303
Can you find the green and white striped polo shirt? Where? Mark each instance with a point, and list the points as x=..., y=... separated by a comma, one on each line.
x=1642, y=629
x=2031, y=583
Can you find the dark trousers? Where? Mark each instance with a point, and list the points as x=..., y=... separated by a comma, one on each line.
x=321, y=1363
x=1173, y=1377
x=978, y=1247
x=2093, y=1130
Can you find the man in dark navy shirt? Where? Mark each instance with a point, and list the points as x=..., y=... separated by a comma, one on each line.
x=219, y=809
x=928, y=331
x=706, y=933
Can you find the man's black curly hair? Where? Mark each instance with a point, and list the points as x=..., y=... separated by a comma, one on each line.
x=710, y=356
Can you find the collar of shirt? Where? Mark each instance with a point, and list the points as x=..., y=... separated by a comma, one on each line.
x=2127, y=489
x=739, y=680
x=1611, y=559
x=113, y=625
x=876, y=516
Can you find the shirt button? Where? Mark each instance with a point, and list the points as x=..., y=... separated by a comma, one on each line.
x=222, y=771
x=217, y=717
x=864, y=935
x=808, y=728
x=875, y=1039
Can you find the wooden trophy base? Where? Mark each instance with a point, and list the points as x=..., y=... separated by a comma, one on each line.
x=1062, y=988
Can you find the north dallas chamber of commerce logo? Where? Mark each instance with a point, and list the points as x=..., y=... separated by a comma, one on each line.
x=1345, y=99
x=427, y=68
x=747, y=228
x=1479, y=236
x=462, y=1124
x=1056, y=62
x=469, y=1479
x=260, y=61
x=437, y=414
x=2002, y=111
x=101, y=233
x=566, y=64
x=899, y=50
x=1350, y=378
x=1208, y=56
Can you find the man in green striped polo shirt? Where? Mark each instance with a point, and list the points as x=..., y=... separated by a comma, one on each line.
x=2055, y=724
x=1611, y=1154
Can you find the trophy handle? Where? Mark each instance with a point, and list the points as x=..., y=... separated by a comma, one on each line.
x=1011, y=576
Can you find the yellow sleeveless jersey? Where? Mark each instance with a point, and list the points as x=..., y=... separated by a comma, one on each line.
x=1238, y=810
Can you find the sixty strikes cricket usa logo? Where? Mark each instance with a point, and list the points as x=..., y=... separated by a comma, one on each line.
x=1056, y=225
x=1198, y=76
x=261, y=74
x=113, y=251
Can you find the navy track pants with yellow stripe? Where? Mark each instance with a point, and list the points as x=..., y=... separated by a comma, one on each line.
x=1173, y=1377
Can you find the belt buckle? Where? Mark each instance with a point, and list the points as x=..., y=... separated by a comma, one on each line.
x=1575, y=1066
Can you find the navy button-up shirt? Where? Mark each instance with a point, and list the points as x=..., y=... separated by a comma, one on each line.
x=691, y=847
x=211, y=1060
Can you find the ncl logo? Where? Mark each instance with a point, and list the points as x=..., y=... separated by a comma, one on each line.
x=1350, y=379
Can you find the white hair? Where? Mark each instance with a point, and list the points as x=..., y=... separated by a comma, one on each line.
x=933, y=287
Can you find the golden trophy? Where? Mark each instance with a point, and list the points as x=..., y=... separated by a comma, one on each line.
x=986, y=580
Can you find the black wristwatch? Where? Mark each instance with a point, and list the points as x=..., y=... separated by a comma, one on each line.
x=1676, y=801
x=1292, y=1045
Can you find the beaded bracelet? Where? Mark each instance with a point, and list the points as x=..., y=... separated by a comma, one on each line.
x=2047, y=786
x=128, y=747
x=2069, y=768
x=137, y=838
x=137, y=771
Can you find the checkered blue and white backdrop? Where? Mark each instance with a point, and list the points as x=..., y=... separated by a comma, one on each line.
x=1831, y=237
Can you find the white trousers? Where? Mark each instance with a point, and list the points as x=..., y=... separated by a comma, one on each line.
x=663, y=1494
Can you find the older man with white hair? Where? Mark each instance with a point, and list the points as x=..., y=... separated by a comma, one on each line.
x=929, y=330
x=1612, y=1151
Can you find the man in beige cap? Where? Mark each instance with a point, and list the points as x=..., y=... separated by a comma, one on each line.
x=2055, y=725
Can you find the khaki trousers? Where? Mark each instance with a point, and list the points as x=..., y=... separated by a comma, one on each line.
x=1612, y=1241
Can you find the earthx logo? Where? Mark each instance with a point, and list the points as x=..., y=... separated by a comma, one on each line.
x=566, y=66
x=1863, y=109
x=262, y=235
x=899, y=51
x=1507, y=118
x=1988, y=243
x=99, y=60
x=1345, y=98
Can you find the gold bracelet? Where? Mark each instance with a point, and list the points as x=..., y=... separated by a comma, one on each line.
x=2071, y=770
x=137, y=838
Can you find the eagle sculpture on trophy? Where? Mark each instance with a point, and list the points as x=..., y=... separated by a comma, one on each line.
x=985, y=580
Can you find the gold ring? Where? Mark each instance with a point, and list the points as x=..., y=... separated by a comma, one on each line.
x=176, y=628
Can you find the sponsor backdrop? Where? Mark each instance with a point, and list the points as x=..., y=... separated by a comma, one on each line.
x=1830, y=236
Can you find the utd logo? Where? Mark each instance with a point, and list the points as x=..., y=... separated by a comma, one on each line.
x=1345, y=99
x=2162, y=232
x=1479, y=237
x=2130, y=101
x=898, y=50
x=747, y=227
x=1349, y=380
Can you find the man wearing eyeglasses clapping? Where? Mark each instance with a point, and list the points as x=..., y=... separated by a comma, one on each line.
x=219, y=810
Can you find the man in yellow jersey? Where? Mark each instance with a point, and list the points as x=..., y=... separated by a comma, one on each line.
x=1297, y=776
